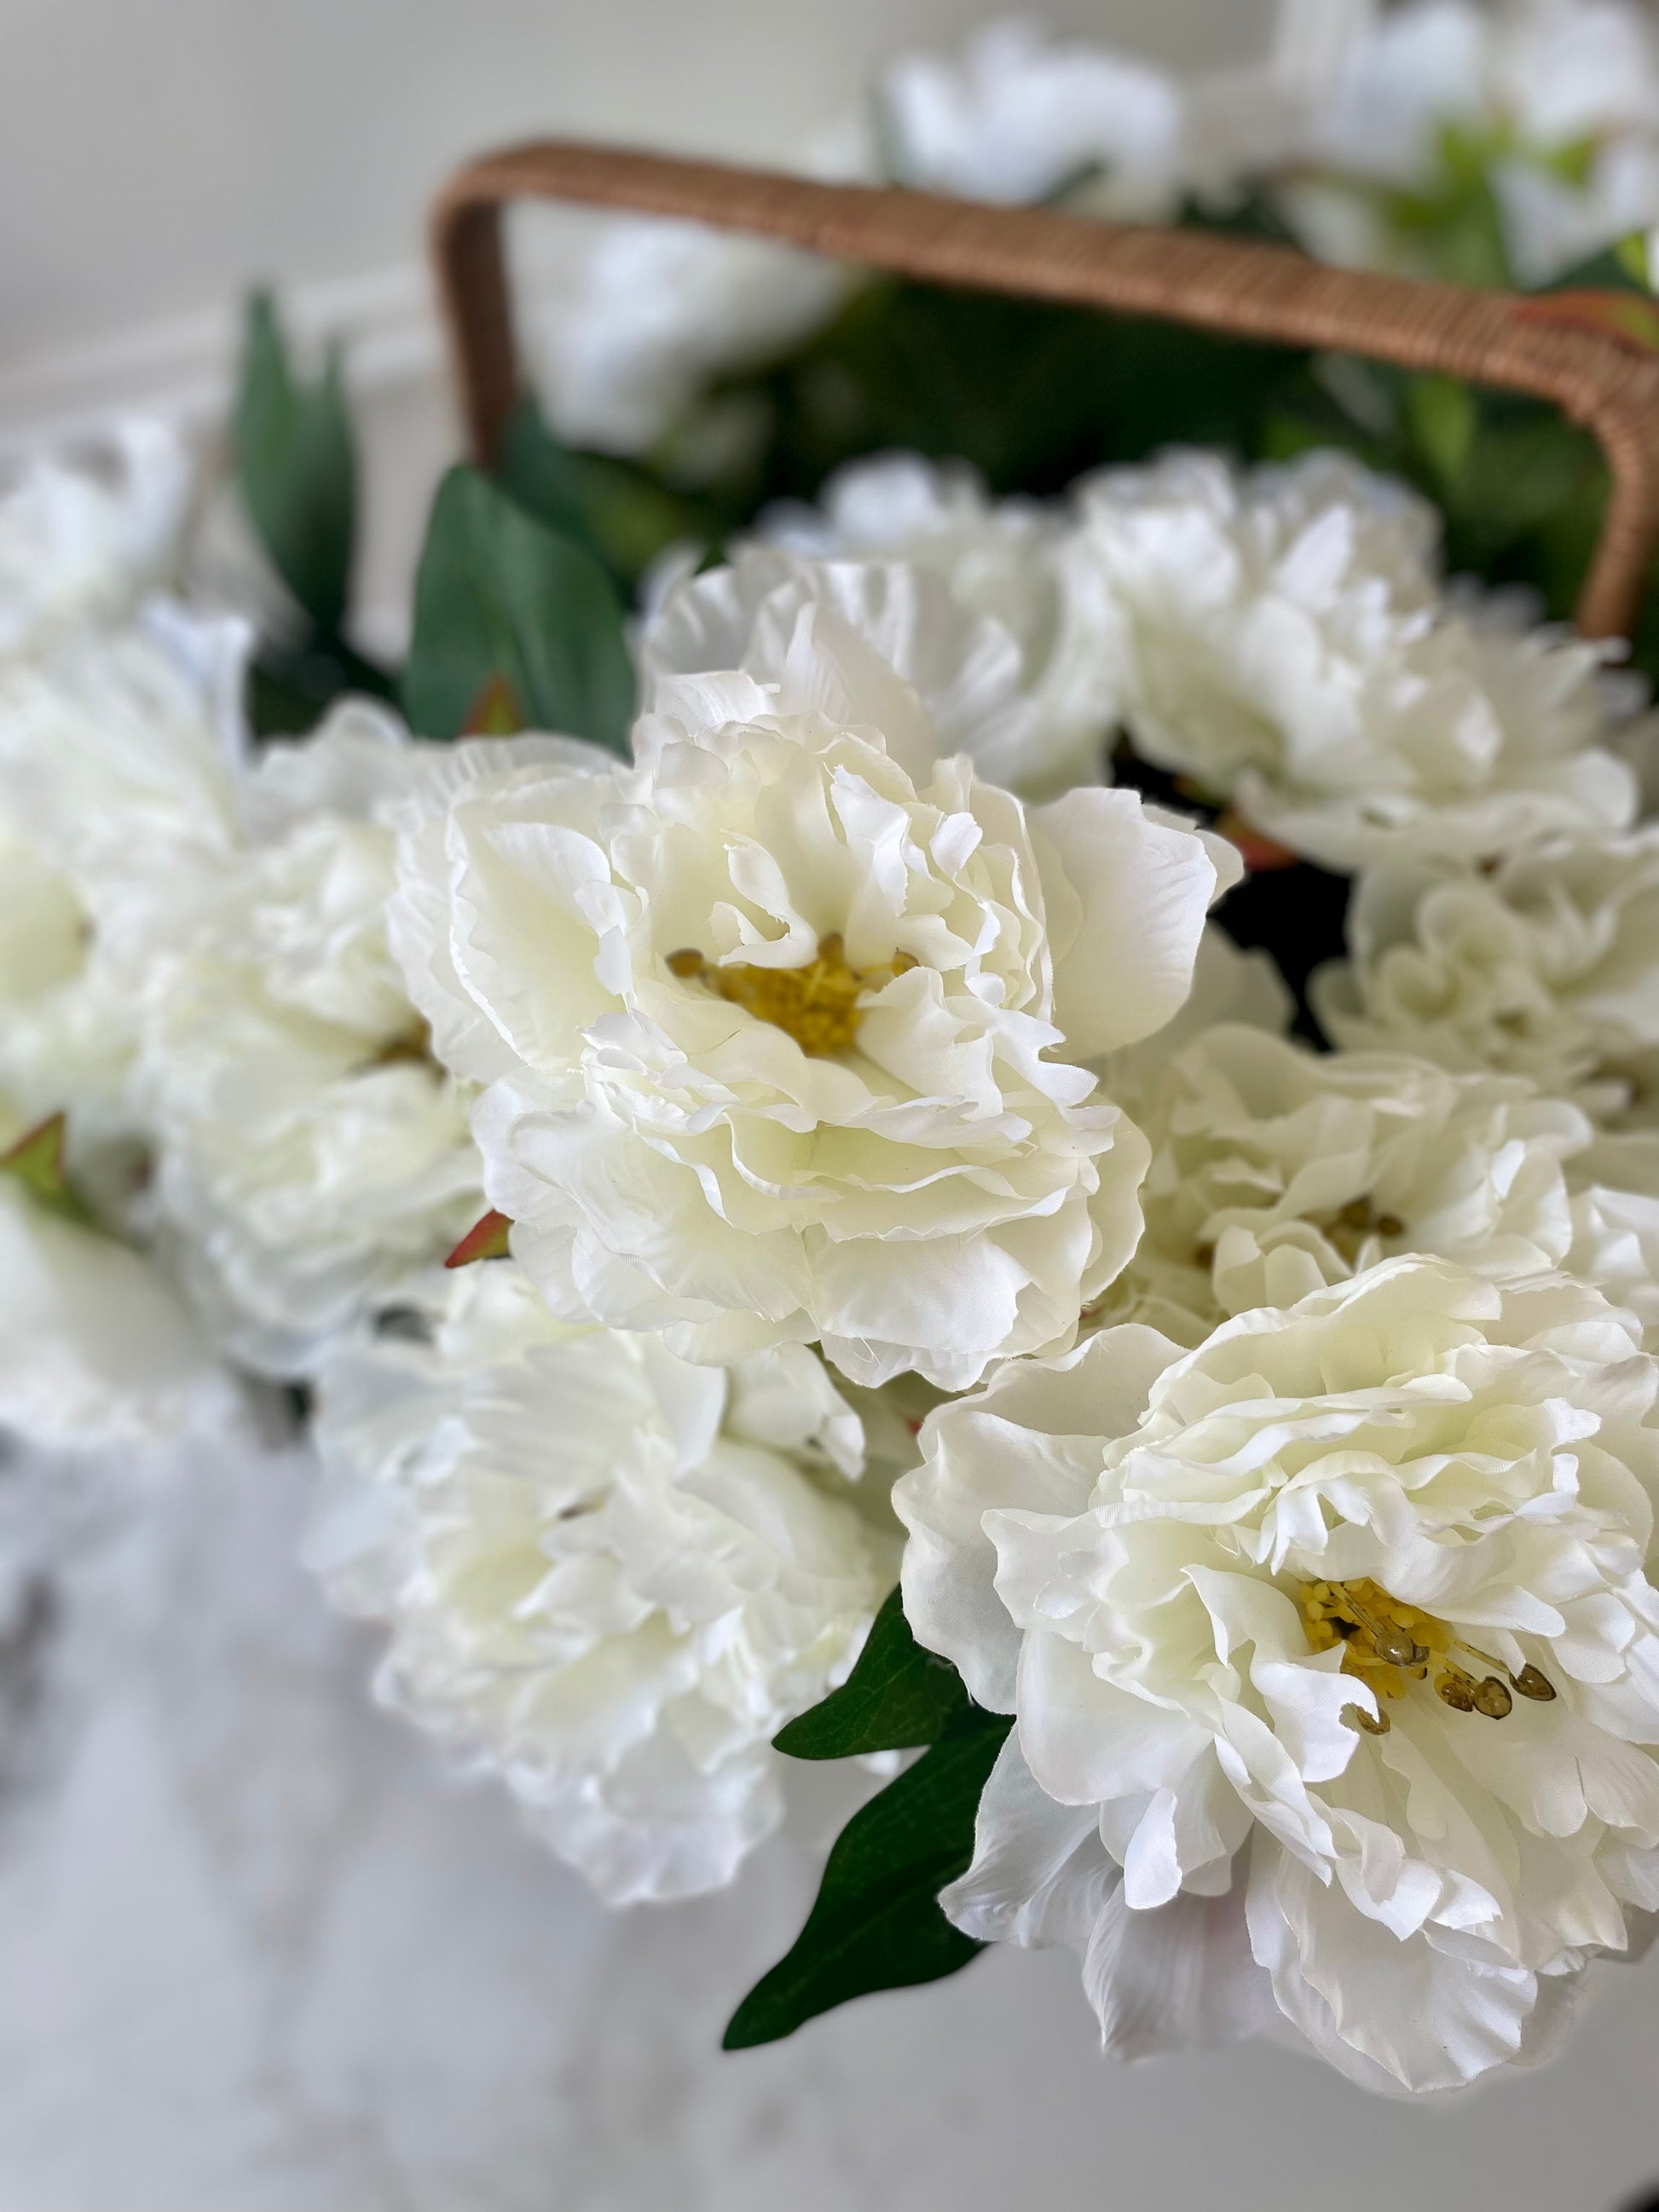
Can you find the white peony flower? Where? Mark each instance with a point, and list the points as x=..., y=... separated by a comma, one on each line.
x=307, y=1149
x=1046, y=637
x=1017, y=113
x=783, y=1025
x=1616, y=1222
x=65, y=1043
x=120, y=745
x=1548, y=967
x=627, y=331
x=1287, y=648
x=1277, y=1171
x=77, y=545
x=1334, y=1661
x=979, y=622
x=1229, y=985
x=609, y=1577
x=658, y=309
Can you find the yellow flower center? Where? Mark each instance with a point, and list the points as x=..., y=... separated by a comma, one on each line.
x=817, y=1005
x=1389, y=1644
x=1349, y=1228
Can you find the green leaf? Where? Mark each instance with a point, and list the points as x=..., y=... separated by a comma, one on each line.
x=296, y=467
x=291, y=687
x=500, y=595
x=896, y=1697
x=876, y=1923
x=623, y=515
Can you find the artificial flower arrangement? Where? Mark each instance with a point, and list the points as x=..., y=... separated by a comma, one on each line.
x=1010, y=1139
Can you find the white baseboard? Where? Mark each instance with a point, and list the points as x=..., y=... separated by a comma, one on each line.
x=182, y=367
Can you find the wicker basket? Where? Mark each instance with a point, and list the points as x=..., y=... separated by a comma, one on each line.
x=1606, y=383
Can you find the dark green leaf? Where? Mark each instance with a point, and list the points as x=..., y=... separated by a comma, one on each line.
x=876, y=1923
x=501, y=595
x=291, y=687
x=1441, y=417
x=297, y=468
x=624, y=515
x=896, y=1697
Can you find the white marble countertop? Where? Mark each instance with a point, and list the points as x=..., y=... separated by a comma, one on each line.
x=259, y=1953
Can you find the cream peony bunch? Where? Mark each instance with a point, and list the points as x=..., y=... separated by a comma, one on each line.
x=1546, y=965
x=1333, y=1660
x=877, y=1120
x=1286, y=645
x=784, y=1027
x=609, y=1576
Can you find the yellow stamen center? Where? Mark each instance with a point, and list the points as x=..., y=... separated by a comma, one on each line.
x=817, y=1005
x=1350, y=1228
x=413, y=1047
x=1389, y=1644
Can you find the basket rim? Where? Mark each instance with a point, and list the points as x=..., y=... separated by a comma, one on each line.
x=1236, y=286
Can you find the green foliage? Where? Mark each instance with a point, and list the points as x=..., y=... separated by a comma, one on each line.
x=1032, y=394
x=623, y=515
x=501, y=595
x=292, y=685
x=297, y=468
x=876, y=1923
x=1451, y=222
x=896, y=1697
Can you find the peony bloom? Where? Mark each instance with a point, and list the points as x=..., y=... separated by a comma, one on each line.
x=82, y=547
x=1276, y=1170
x=1287, y=646
x=1616, y=1222
x=633, y=327
x=1334, y=1661
x=657, y=310
x=608, y=1577
x=783, y=1027
x=1017, y=114
x=120, y=742
x=1549, y=966
x=969, y=605
x=1045, y=637
x=307, y=1149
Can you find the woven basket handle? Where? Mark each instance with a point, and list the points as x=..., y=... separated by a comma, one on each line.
x=1266, y=292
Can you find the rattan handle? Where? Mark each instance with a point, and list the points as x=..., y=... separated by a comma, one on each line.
x=1264, y=292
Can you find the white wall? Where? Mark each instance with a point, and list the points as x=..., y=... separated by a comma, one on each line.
x=157, y=154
